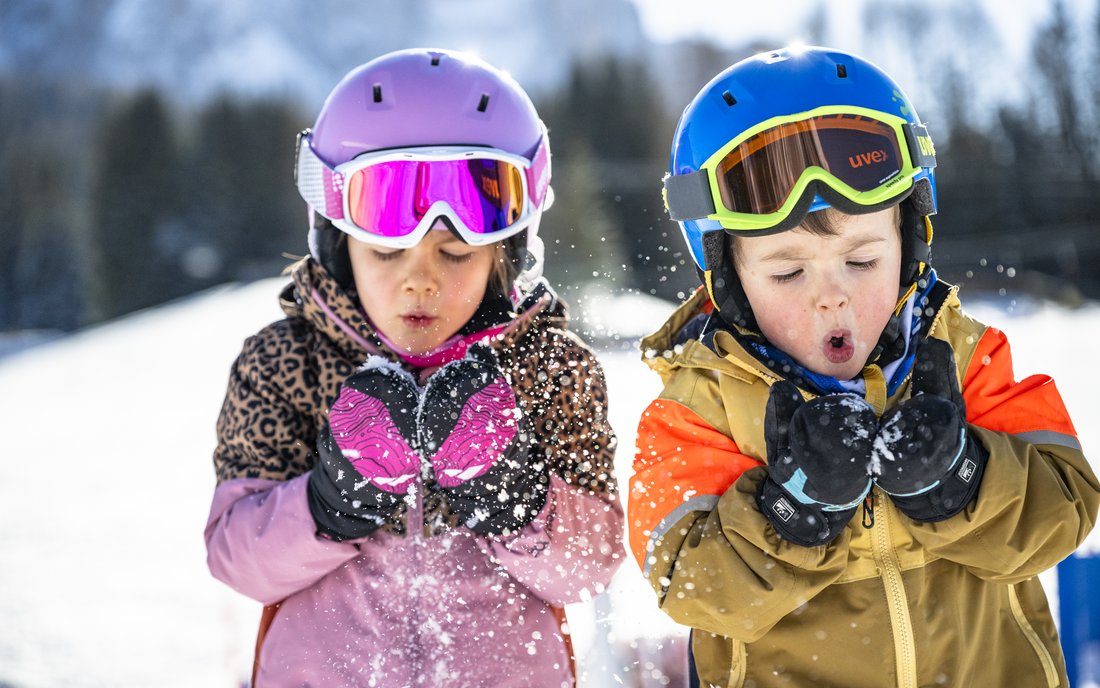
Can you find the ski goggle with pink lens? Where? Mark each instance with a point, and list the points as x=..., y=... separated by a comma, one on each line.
x=393, y=197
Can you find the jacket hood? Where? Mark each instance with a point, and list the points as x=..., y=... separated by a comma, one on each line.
x=672, y=347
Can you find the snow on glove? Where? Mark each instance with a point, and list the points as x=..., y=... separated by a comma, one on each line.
x=367, y=459
x=818, y=456
x=925, y=457
x=473, y=433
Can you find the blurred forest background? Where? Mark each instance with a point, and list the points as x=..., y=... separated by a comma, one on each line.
x=115, y=199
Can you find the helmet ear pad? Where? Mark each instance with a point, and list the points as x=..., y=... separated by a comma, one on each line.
x=916, y=239
x=329, y=247
x=724, y=285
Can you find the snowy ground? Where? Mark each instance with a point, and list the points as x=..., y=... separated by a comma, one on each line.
x=105, y=481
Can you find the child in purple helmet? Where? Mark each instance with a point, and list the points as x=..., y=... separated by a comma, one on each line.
x=415, y=465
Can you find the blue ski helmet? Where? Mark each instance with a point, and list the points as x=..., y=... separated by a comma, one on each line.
x=786, y=83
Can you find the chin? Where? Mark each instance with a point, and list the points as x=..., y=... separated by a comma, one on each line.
x=420, y=348
x=848, y=373
x=843, y=371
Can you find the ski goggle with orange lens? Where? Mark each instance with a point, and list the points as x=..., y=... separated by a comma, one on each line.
x=392, y=198
x=756, y=181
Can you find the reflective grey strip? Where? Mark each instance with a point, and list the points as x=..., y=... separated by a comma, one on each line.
x=688, y=197
x=310, y=178
x=700, y=503
x=1049, y=437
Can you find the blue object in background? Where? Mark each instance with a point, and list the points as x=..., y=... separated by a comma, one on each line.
x=1079, y=612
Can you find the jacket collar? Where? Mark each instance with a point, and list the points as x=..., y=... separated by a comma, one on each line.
x=315, y=296
x=691, y=338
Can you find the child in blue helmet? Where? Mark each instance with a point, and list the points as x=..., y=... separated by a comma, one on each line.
x=842, y=483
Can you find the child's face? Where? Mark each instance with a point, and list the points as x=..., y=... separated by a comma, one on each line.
x=418, y=297
x=825, y=299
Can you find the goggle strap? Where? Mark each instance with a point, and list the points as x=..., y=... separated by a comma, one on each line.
x=321, y=188
x=688, y=196
x=538, y=173
x=921, y=150
x=303, y=134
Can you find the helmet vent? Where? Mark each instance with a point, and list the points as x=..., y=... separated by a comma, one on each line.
x=483, y=103
x=842, y=71
x=728, y=97
x=378, y=93
x=435, y=60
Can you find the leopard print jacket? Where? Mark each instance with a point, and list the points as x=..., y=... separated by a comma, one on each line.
x=288, y=375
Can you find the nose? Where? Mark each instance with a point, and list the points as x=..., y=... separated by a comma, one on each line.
x=420, y=280
x=831, y=296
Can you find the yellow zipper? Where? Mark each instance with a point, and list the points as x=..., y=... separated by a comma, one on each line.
x=1032, y=637
x=939, y=312
x=896, y=600
x=740, y=662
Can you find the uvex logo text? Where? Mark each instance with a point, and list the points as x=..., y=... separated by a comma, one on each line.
x=868, y=158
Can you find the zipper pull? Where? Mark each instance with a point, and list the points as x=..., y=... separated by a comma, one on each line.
x=869, y=510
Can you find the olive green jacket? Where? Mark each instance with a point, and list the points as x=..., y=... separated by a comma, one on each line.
x=891, y=602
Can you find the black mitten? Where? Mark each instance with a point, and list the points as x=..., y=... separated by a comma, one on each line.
x=818, y=455
x=474, y=434
x=925, y=456
x=367, y=458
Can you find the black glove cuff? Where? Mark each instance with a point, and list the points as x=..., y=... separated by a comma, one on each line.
x=336, y=519
x=955, y=492
x=801, y=524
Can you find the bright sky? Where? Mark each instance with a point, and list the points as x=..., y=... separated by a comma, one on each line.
x=736, y=21
x=996, y=64
x=723, y=21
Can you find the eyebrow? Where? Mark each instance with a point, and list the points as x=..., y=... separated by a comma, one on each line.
x=796, y=252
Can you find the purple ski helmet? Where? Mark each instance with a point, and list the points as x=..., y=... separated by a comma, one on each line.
x=425, y=97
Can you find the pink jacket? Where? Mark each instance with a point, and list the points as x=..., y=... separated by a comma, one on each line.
x=455, y=609
x=420, y=602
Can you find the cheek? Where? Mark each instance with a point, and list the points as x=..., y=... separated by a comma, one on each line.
x=364, y=269
x=462, y=287
x=876, y=304
x=780, y=320
x=475, y=290
x=471, y=278
x=374, y=301
x=375, y=284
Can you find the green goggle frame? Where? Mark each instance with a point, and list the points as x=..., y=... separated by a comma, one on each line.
x=866, y=157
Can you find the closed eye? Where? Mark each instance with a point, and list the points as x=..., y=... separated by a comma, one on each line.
x=386, y=255
x=863, y=264
x=787, y=277
x=456, y=257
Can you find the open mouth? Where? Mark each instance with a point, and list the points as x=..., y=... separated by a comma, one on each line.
x=838, y=346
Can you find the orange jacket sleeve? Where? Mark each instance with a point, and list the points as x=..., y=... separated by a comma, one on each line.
x=682, y=465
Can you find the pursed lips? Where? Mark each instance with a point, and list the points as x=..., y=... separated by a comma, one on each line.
x=417, y=319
